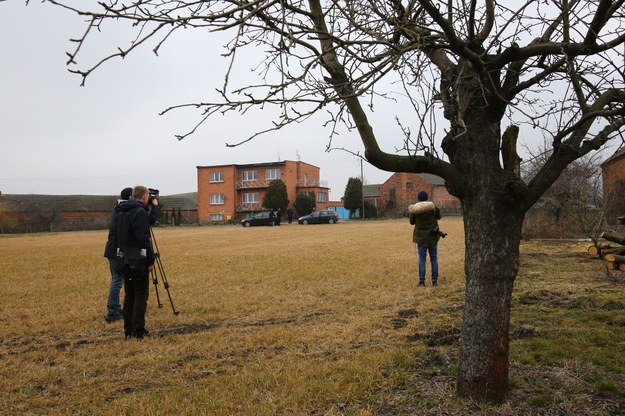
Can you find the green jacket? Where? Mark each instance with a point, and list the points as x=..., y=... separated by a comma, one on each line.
x=424, y=216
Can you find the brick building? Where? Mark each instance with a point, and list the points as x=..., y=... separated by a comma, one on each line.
x=227, y=192
x=401, y=189
x=613, y=175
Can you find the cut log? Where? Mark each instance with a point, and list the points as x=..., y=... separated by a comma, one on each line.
x=615, y=258
x=621, y=266
x=613, y=237
x=610, y=265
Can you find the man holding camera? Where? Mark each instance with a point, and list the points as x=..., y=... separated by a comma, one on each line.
x=424, y=215
x=136, y=257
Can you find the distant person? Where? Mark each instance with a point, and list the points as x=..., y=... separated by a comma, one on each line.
x=424, y=215
x=272, y=217
x=289, y=215
x=113, y=307
x=278, y=216
x=133, y=238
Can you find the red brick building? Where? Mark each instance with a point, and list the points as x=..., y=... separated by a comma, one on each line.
x=613, y=175
x=226, y=192
x=401, y=189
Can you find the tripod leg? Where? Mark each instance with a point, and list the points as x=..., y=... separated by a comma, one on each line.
x=155, y=281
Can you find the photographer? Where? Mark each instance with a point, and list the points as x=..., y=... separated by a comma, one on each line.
x=137, y=257
x=424, y=215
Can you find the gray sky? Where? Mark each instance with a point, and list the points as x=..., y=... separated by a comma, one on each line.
x=60, y=138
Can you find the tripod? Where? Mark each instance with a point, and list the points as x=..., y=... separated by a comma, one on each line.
x=159, y=270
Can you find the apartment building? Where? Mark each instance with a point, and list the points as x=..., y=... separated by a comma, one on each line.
x=227, y=192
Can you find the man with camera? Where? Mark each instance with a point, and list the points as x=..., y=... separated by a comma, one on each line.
x=135, y=256
x=424, y=215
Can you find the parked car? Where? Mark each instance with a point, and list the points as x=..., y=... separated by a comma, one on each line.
x=319, y=217
x=260, y=218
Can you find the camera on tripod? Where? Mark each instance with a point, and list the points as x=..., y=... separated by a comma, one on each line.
x=153, y=194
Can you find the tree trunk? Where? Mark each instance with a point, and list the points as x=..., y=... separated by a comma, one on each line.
x=491, y=265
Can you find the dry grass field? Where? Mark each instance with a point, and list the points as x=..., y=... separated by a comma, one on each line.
x=298, y=320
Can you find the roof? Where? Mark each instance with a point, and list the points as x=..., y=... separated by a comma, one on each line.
x=85, y=203
x=256, y=165
x=371, y=191
x=432, y=179
x=617, y=155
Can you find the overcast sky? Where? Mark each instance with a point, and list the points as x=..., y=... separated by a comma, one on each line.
x=60, y=138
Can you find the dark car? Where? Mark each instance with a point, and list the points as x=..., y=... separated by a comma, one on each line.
x=260, y=218
x=319, y=217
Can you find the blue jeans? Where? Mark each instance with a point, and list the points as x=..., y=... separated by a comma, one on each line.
x=433, y=250
x=112, y=304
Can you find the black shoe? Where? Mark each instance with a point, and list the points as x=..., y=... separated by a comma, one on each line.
x=113, y=318
x=434, y=283
x=421, y=284
x=142, y=334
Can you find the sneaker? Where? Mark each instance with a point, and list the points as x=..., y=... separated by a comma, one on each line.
x=421, y=284
x=434, y=283
x=113, y=318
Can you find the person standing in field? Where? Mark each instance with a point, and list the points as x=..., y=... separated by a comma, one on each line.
x=114, y=308
x=424, y=215
x=134, y=242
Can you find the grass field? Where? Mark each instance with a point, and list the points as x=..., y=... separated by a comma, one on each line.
x=298, y=320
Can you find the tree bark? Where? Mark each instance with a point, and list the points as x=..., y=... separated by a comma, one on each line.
x=490, y=275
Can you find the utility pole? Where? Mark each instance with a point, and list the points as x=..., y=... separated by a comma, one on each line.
x=362, y=190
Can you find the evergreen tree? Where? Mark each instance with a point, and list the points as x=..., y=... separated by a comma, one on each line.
x=352, y=200
x=276, y=196
x=304, y=203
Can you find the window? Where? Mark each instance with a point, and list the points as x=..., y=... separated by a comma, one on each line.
x=250, y=197
x=217, y=199
x=408, y=185
x=272, y=174
x=217, y=217
x=217, y=177
x=322, y=197
x=250, y=175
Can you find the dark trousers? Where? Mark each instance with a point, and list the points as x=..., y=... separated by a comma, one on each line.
x=136, y=292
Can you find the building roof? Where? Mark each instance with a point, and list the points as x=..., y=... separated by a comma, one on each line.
x=84, y=203
x=617, y=155
x=256, y=165
x=433, y=179
x=371, y=191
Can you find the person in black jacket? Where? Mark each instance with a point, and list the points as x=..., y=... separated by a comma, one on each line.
x=133, y=238
x=114, y=308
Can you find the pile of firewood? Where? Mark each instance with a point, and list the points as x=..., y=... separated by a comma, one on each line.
x=614, y=256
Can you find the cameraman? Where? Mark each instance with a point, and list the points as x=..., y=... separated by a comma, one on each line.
x=424, y=215
x=114, y=309
x=133, y=237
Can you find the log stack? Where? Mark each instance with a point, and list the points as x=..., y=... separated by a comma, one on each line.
x=614, y=256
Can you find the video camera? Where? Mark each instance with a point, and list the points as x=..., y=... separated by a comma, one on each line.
x=153, y=194
x=439, y=232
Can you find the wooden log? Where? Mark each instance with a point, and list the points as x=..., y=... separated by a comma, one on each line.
x=600, y=250
x=613, y=237
x=615, y=258
x=621, y=267
x=610, y=265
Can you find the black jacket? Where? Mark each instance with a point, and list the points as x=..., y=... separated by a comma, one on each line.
x=133, y=217
x=110, y=250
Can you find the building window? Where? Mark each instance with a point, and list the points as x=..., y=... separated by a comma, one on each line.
x=408, y=185
x=272, y=174
x=217, y=177
x=249, y=175
x=217, y=217
x=217, y=199
x=322, y=197
x=250, y=197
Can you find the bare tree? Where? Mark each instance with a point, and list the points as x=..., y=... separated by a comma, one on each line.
x=468, y=67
